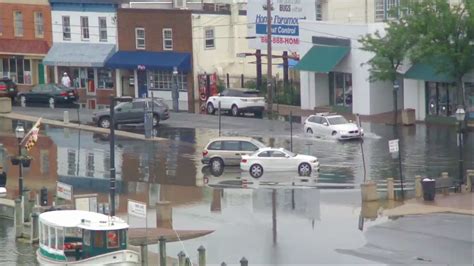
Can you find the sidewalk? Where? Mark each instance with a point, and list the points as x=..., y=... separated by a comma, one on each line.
x=459, y=203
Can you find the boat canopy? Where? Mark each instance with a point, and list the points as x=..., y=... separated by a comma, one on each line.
x=82, y=219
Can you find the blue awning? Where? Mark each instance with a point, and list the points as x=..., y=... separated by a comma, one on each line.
x=150, y=60
x=78, y=54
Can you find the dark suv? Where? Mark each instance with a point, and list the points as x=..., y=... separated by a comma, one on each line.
x=8, y=88
x=133, y=112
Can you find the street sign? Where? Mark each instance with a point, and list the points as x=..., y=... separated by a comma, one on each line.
x=63, y=191
x=393, y=145
x=137, y=208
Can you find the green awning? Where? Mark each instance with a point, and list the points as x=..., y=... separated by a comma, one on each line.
x=428, y=72
x=322, y=59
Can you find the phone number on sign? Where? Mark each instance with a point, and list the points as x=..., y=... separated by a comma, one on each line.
x=281, y=40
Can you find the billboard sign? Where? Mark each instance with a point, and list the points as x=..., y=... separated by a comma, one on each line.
x=285, y=18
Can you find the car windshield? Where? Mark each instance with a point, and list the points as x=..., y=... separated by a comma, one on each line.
x=338, y=120
x=291, y=154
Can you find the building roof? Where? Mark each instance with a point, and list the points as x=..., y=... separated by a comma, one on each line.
x=23, y=47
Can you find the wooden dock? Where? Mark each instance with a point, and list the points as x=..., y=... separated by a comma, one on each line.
x=142, y=236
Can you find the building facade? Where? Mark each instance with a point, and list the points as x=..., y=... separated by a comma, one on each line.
x=25, y=37
x=84, y=37
x=155, y=54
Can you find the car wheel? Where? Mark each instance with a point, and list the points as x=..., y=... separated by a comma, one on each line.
x=304, y=169
x=256, y=170
x=210, y=109
x=217, y=165
x=334, y=133
x=156, y=120
x=309, y=131
x=23, y=101
x=104, y=122
x=235, y=110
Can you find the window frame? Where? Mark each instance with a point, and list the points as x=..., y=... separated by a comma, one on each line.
x=66, y=28
x=16, y=28
x=137, y=38
x=39, y=24
x=84, y=22
x=165, y=39
x=207, y=38
x=103, y=29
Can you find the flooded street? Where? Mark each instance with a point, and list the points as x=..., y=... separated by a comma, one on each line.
x=309, y=221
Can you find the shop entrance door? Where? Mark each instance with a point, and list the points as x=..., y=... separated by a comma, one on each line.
x=142, y=84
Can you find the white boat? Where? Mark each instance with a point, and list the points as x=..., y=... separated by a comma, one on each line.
x=73, y=237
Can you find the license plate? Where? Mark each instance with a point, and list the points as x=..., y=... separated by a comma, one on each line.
x=71, y=94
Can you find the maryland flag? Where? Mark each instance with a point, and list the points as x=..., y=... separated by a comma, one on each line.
x=31, y=138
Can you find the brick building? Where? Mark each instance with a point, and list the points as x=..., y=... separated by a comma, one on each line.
x=151, y=43
x=25, y=38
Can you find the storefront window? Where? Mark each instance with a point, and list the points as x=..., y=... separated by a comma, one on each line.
x=18, y=69
x=341, y=89
x=160, y=80
x=442, y=99
x=105, y=78
x=81, y=77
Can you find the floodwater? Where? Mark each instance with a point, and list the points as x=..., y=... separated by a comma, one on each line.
x=287, y=221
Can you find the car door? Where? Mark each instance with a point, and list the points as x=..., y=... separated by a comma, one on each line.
x=34, y=95
x=231, y=152
x=264, y=159
x=280, y=162
x=325, y=129
x=123, y=112
x=137, y=114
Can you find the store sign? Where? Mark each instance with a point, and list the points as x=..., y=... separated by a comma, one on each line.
x=137, y=209
x=64, y=191
x=141, y=67
x=285, y=17
x=393, y=146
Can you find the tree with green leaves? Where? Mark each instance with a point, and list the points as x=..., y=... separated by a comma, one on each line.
x=390, y=50
x=445, y=32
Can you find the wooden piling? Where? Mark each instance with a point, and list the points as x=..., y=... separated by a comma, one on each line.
x=187, y=261
x=34, y=227
x=244, y=262
x=369, y=191
x=390, y=189
x=18, y=218
x=164, y=214
x=202, y=256
x=418, y=187
x=181, y=258
x=444, y=175
x=162, y=244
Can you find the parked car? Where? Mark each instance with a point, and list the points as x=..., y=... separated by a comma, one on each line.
x=332, y=125
x=133, y=112
x=278, y=159
x=237, y=102
x=8, y=88
x=49, y=93
x=226, y=151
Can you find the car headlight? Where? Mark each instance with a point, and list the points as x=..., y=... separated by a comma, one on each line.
x=314, y=161
x=361, y=130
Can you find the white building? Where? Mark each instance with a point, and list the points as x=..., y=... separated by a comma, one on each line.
x=84, y=36
x=334, y=70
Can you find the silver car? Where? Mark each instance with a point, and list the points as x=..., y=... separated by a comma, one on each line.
x=227, y=151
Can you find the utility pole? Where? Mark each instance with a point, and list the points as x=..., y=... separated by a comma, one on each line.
x=269, y=60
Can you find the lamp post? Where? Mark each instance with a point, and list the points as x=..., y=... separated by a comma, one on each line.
x=20, y=134
x=113, y=101
x=460, y=115
x=175, y=93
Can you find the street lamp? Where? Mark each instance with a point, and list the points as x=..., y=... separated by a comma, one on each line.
x=20, y=134
x=460, y=115
x=113, y=101
x=175, y=93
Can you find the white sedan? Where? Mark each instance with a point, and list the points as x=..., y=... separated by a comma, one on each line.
x=271, y=159
x=335, y=126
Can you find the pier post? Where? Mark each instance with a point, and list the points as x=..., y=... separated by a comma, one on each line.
x=469, y=176
x=66, y=117
x=18, y=218
x=187, y=262
x=181, y=257
x=390, y=189
x=202, y=256
x=418, y=187
x=164, y=214
x=144, y=254
x=162, y=244
x=223, y=264
x=369, y=191
x=34, y=227
x=244, y=262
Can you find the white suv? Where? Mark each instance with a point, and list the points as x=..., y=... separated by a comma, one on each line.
x=238, y=102
x=332, y=125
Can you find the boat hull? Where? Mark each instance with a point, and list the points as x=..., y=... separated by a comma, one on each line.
x=121, y=257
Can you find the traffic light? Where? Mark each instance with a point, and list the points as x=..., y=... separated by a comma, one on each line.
x=44, y=196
